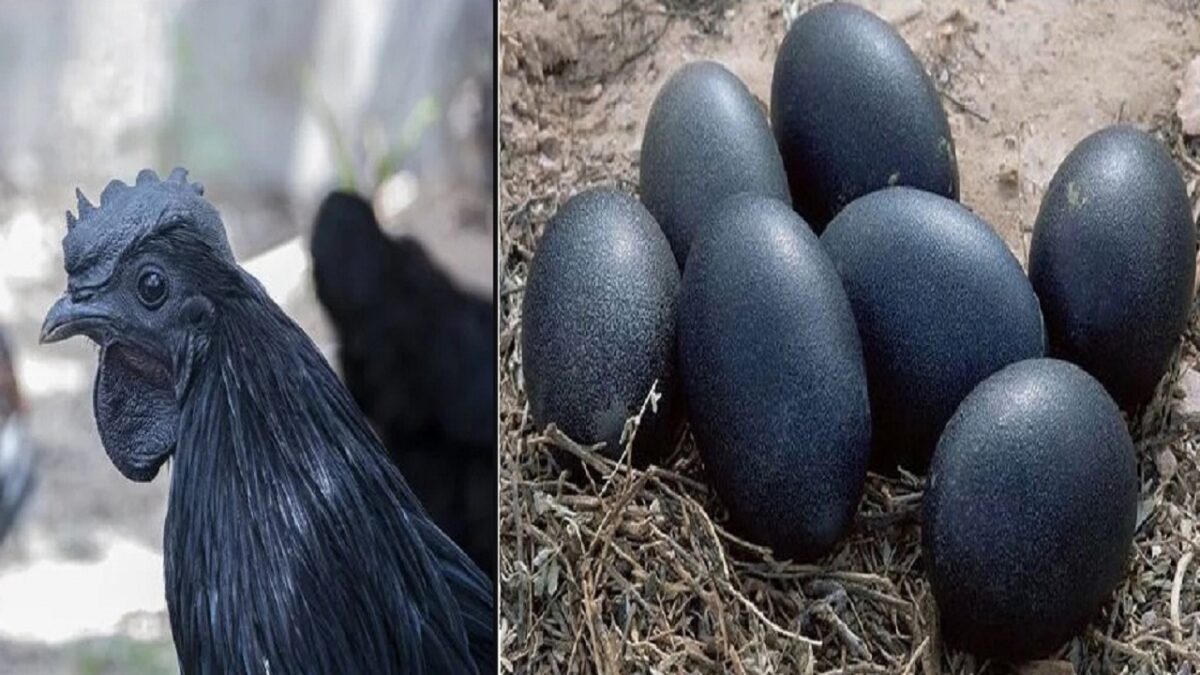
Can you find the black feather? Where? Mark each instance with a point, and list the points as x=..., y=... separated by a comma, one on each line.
x=292, y=544
x=418, y=355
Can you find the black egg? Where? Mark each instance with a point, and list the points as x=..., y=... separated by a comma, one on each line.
x=598, y=324
x=706, y=139
x=1030, y=510
x=1113, y=260
x=773, y=375
x=940, y=302
x=853, y=112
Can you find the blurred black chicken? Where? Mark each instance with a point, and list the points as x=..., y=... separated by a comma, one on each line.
x=16, y=449
x=292, y=544
x=418, y=355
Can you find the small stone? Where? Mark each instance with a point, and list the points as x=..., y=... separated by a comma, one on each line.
x=1190, y=385
x=549, y=144
x=592, y=94
x=1166, y=464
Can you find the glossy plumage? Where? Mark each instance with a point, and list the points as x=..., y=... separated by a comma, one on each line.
x=418, y=355
x=292, y=543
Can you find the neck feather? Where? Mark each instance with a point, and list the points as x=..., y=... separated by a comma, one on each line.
x=290, y=537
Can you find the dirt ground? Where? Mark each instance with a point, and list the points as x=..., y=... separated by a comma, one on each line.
x=1022, y=83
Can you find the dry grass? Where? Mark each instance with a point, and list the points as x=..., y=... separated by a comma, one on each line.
x=631, y=574
x=634, y=571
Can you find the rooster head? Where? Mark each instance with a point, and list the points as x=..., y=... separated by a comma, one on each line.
x=141, y=269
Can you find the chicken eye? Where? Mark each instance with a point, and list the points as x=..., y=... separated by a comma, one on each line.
x=152, y=289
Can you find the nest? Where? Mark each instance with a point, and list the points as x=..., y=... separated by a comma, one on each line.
x=634, y=570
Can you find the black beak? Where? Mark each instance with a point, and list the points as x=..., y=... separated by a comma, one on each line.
x=68, y=318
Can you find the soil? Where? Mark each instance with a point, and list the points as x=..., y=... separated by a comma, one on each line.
x=1022, y=82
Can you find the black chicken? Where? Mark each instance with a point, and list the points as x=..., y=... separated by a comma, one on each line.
x=418, y=356
x=292, y=544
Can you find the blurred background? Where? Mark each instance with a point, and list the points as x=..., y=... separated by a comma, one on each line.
x=270, y=104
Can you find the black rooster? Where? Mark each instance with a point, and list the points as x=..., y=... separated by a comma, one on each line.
x=292, y=544
x=418, y=355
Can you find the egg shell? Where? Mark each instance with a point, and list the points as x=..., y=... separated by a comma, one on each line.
x=1113, y=260
x=706, y=139
x=598, y=324
x=853, y=112
x=940, y=303
x=774, y=378
x=1030, y=511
